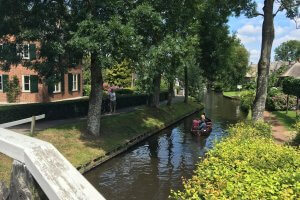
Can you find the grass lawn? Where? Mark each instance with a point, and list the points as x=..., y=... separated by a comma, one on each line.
x=116, y=130
x=288, y=119
x=234, y=94
x=231, y=94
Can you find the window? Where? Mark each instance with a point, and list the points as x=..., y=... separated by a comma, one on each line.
x=23, y=51
x=26, y=83
x=1, y=82
x=75, y=82
x=57, y=87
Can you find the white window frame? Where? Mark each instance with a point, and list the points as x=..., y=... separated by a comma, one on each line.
x=57, y=87
x=23, y=83
x=22, y=53
x=1, y=83
x=75, y=82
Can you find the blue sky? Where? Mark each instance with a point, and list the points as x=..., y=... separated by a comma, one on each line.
x=249, y=31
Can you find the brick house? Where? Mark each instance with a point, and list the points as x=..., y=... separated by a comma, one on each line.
x=32, y=87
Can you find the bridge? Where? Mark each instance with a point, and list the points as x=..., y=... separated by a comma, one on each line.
x=56, y=176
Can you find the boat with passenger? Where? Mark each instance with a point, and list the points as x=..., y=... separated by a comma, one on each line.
x=196, y=130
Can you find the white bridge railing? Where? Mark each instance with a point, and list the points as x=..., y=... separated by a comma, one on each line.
x=55, y=175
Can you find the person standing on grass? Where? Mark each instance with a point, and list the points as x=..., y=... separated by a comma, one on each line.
x=113, y=100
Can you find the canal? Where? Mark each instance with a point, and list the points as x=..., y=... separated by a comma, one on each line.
x=152, y=168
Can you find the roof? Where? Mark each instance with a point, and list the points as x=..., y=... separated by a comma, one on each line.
x=294, y=71
x=274, y=66
x=252, y=71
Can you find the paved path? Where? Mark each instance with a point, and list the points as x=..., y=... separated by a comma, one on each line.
x=44, y=124
x=280, y=133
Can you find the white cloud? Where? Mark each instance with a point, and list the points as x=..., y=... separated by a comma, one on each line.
x=247, y=39
x=254, y=55
x=291, y=35
x=279, y=30
x=249, y=29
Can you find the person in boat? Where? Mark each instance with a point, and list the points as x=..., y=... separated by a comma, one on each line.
x=202, y=124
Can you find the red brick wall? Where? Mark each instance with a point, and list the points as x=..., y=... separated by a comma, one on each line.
x=42, y=95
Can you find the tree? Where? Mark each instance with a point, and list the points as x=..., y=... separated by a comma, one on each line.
x=234, y=65
x=107, y=43
x=288, y=51
x=60, y=26
x=291, y=7
x=119, y=75
x=149, y=25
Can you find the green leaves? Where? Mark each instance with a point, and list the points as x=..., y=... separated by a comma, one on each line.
x=291, y=86
x=288, y=51
x=112, y=41
x=246, y=165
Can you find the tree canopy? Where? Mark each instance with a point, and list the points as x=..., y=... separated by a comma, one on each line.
x=288, y=51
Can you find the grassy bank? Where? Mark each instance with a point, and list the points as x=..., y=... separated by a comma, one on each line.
x=116, y=130
x=287, y=119
x=232, y=94
x=246, y=165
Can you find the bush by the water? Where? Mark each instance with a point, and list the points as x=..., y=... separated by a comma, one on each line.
x=70, y=108
x=246, y=165
x=246, y=100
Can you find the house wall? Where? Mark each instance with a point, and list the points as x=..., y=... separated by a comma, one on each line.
x=42, y=95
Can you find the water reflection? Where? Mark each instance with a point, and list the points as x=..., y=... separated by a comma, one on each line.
x=150, y=169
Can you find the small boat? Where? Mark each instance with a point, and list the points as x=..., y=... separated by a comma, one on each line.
x=204, y=132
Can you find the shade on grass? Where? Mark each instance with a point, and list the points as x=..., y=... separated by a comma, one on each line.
x=116, y=130
x=288, y=119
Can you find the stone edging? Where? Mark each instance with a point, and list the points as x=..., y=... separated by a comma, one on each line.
x=98, y=161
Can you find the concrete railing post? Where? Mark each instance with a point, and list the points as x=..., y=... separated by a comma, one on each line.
x=23, y=185
x=32, y=125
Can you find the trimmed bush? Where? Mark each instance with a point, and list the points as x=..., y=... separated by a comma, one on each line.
x=124, y=91
x=246, y=165
x=247, y=99
x=277, y=102
x=68, y=109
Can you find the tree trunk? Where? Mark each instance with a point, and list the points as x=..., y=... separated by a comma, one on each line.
x=186, y=85
x=287, y=104
x=156, y=92
x=95, y=102
x=170, y=93
x=264, y=61
x=297, y=107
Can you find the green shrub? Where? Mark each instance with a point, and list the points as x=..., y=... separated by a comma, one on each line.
x=296, y=140
x=277, y=102
x=13, y=90
x=124, y=91
x=218, y=88
x=68, y=109
x=250, y=130
x=86, y=90
x=250, y=85
x=245, y=168
x=246, y=100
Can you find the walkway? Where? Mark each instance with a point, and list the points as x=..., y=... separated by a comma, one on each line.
x=45, y=124
x=280, y=133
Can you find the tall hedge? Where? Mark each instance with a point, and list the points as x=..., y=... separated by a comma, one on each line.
x=291, y=86
x=67, y=109
x=248, y=164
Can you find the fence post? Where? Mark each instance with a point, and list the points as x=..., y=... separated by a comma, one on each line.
x=32, y=125
x=23, y=185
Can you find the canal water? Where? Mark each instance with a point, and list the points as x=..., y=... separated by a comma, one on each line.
x=152, y=168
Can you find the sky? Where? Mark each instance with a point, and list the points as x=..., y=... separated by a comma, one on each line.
x=249, y=31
